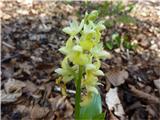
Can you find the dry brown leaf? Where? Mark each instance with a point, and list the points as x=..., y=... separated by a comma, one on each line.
x=157, y=70
x=7, y=71
x=13, y=85
x=22, y=108
x=13, y=90
x=39, y=112
x=30, y=87
x=157, y=84
x=55, y=102
x=26, y=67
x=59, y=104
x=9, y=98
x=112, y=116
x=69, y=111
x=117, y=77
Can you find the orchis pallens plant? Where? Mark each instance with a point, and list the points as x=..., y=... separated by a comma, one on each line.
x=83, y=52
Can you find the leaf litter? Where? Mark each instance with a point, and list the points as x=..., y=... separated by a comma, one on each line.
x=32, y=34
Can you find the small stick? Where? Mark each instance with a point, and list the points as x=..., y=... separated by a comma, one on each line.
x=8, y=45
x=58, y=89
x=9, y=58
x=145, y=96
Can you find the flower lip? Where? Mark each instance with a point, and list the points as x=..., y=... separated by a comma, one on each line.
x=59, y=70
x=90, y=67
x=77, y=48
x=63, y=50
x=99, y=73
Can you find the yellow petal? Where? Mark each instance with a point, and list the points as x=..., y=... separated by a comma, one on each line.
x=86, y=44
x=92, y=89
x=86, y=99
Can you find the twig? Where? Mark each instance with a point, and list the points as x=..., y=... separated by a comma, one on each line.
x=9, y=58
x=58, y=89
x=8, y=45
x=145, y=96
x=134, y=106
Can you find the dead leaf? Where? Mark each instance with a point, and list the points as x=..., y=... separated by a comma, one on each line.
x=114, y=103
x=117, y=77
x=39, y=112
x=139, y=113
x=10, y=97
x=26, y=67
x=6, y=17
x=24, y=111
x=69, y=111
x=157, y=84
x=13, y=90
x=157, y=70
x=22, y=108
x=112, y=116
x=22, y=12
x=30, y=87
x=7, y=71
x=13, y=85
x=59, y=104
x=55, y=102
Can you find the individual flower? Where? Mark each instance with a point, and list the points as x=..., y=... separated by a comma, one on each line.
x=98, y=52
x=67, y=72
x=68, y=48
x=92, y=16
x=74, y=28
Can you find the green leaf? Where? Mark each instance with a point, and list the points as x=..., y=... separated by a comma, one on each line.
x=98, y=52
x=92, y=110
x=115, y=36
x=127, y=45
x=126, y=19
x=109, y=23
x=116, y=39
x=99, y=117
x=130, y=7
x=100, y=25
x=109, y=45
x=93, y=15
x=120, y=6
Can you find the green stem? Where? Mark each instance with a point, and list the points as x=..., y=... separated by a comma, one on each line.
x=78, y=93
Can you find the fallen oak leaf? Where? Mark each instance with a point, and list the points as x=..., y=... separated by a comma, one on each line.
x=26, y=67
x=13, y=85
x=39, y=112
x=112, y=116
x=114, y=103
x=157, y=84
x=117, y=77
x=9, y=98
x=12, y=91
x=59, y=104
x=69, y=111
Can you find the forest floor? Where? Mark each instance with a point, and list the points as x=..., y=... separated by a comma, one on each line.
x=31, y=36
